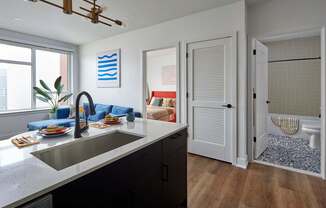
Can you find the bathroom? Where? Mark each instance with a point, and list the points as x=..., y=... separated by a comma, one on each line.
x=293, y=104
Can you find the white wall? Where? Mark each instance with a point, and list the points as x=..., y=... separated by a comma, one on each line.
x=278, y=17
x=14, y=123
x=155, y=61
x=200, y=26
x=285, y=16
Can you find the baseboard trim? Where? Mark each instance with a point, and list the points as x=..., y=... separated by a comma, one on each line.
x=288, y=168
x=242, y=162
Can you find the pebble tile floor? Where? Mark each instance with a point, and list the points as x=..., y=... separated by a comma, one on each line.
x=291, y=152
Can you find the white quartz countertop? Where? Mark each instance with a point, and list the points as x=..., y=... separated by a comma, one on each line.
x=24, y=177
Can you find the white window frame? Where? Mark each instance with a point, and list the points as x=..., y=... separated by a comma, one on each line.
x=33, y=48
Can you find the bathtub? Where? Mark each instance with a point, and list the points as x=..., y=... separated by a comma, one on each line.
x=272, y=129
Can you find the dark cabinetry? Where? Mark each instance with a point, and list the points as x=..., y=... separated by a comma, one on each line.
x=175, y=163
x=155, y=176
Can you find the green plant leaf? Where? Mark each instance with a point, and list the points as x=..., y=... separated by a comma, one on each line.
x=57, y=85
x=59, y=91
x=53, y=109
x=42, y=93
x=45, y=86
x=43, y=99
x=65, y=98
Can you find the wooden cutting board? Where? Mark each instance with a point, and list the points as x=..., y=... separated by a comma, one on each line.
x=99, y=125
x=24, y=141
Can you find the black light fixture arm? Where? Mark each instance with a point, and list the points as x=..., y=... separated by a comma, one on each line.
x=92, y=3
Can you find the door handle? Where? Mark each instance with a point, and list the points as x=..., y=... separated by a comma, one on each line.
x=227, y=106
x=268, y=102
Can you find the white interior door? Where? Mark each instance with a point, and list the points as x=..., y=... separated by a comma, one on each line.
x=261, y=101
x=212, y=97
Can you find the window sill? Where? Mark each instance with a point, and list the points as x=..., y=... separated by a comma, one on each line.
x=22, y=112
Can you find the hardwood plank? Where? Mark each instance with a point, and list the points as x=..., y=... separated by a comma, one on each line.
x=258, y=190
x=215, y=184
x=318, y=189
x=233, y=187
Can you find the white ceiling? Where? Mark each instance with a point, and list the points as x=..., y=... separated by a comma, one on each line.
x=43, y=20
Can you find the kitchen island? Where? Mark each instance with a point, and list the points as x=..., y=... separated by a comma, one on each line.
x=147, y=171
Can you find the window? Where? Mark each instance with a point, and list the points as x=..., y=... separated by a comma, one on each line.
x=22, y=67
x=3, y=90
x=49, y=66
x=16, y=88
x=15, y=53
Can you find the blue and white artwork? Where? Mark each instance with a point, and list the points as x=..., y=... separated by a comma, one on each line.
x=108, y=69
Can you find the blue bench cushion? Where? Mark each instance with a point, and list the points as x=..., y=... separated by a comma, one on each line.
x=63, y=112
x=120, y=111
x=105, y=108
x=98, y=108
x=45, y=123
x=137, y=114
x=98, y=116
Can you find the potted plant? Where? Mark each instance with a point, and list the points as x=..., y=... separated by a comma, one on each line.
x=53, y=98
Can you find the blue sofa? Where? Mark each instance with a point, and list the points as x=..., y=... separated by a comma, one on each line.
x=103, y=110
x=61, y=120
x=64, y=112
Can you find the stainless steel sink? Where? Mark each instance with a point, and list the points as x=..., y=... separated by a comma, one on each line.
x=63, y=156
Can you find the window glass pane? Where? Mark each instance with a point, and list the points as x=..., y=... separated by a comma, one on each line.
x=3, y=90
x=15, y=87
x=15, y=53
x=49, y=66
x=41, y=104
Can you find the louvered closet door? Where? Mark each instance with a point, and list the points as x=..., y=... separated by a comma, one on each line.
x=212, y=85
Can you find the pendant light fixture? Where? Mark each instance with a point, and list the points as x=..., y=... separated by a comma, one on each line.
x=67, y=6
x=94, y=13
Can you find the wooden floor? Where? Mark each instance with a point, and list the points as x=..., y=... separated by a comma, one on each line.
x=216, y=184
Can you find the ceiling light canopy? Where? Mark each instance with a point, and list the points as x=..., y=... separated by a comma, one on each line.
x=94, y=13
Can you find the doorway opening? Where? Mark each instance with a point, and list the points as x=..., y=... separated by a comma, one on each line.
x=161, y=69
x=287, y=103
